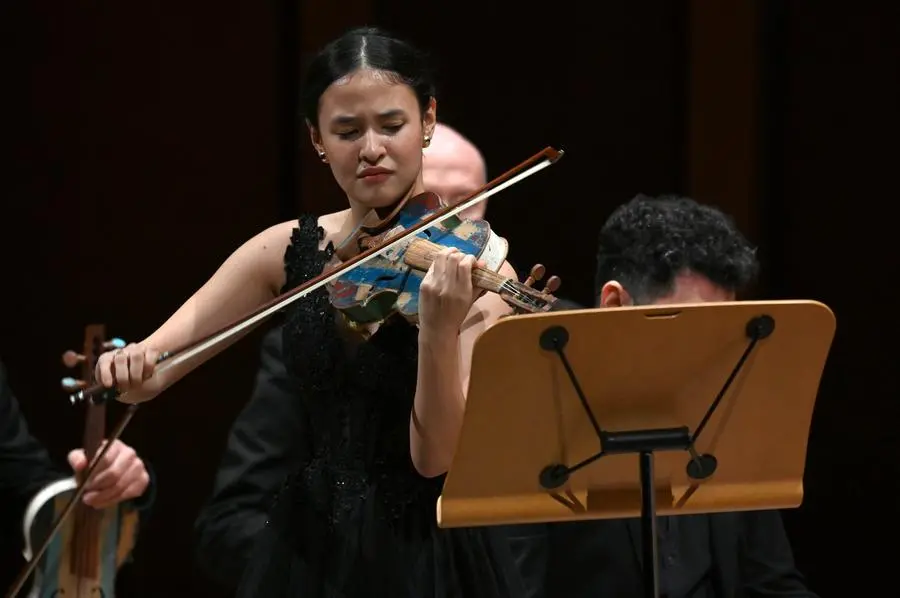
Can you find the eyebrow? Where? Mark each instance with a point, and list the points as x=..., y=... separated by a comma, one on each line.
x=343, y=120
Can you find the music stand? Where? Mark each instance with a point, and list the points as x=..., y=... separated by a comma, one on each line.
x=709, y=404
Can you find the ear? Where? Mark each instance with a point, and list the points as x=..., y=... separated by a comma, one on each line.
x=614, y=294
x=315, y=137
x=429, y=118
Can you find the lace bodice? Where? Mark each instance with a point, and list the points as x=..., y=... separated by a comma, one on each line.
x=358, y=394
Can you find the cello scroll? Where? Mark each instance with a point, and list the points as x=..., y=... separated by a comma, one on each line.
x=79, y=555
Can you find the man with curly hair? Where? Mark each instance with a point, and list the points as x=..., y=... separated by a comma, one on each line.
x=671, y=250
x=665, y=250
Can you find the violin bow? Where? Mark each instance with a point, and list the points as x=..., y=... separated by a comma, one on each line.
x=546, y=157
x=538, y=162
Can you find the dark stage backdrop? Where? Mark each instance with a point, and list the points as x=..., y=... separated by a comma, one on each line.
x=146, y=145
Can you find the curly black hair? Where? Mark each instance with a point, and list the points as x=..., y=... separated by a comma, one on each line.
x=648, y=241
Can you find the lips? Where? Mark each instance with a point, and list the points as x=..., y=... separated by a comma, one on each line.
x=373, y=172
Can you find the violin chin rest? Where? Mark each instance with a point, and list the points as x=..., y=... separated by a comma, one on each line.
x=37, y=504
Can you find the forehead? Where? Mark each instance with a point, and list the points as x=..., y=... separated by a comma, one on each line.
x=690, y=287
x=366, y=93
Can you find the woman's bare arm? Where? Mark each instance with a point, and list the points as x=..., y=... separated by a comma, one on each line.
x=252, y=275
x=445, y=363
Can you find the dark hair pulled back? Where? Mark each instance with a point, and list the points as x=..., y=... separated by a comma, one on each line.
x=366, y=47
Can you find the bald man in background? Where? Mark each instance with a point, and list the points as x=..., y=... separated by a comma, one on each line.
x=453, y=168
x=268, y=438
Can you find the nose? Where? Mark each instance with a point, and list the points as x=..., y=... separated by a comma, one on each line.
x=372, y=149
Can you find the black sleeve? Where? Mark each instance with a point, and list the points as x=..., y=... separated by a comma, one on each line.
x=144, y=503
x=766, y=559
x=25, y=466
x=265, y=443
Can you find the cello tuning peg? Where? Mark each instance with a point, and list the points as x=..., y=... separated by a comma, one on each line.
x=115, y=343
x=552, y=284
x=536, y=274
x=71, y=358
x=71, y=384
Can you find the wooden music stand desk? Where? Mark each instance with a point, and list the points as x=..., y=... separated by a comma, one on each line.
x=574, y=415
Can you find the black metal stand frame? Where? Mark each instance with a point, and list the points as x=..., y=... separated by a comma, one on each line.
x=646, y=443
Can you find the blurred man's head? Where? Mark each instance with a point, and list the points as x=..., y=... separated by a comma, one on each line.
x=453, y=168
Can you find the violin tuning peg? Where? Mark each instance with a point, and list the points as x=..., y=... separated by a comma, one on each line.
x=115, y=343
x=71, y=384
x=536, y=274
x=552, y=284
x=71, y=358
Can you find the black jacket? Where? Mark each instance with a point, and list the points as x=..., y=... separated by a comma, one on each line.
x=749, y=555
x=25, y=467
x=265, y=445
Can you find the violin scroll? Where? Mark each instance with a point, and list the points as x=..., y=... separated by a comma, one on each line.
x=537, y=274
x=532, y=300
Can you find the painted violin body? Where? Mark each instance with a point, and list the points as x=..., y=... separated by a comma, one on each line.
x=390, y=282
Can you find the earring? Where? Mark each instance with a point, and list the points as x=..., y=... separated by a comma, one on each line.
x=323, y=158
x=427, y=141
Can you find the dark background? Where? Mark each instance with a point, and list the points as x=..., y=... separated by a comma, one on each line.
x=145, y=142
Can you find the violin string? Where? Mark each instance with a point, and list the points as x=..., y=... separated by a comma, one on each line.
x=519, y=295
x=508, y=286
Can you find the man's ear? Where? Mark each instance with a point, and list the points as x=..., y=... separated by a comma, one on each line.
x=614, y=294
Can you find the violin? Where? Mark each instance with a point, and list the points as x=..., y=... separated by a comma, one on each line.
x=85, y=554
x=365, y=245
x=390, y=282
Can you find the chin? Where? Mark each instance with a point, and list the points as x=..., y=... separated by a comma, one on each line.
x=380, y=197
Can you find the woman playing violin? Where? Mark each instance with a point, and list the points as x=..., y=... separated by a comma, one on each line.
x=384, y=407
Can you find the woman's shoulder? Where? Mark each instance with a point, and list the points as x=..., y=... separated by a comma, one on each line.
x=311, y=242
x=308, y=230
x=333, y=227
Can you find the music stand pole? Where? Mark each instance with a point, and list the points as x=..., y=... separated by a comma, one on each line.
x=645, y=443
x=649, y=545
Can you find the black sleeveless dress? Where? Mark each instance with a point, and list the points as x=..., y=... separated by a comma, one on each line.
x=356, y=519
